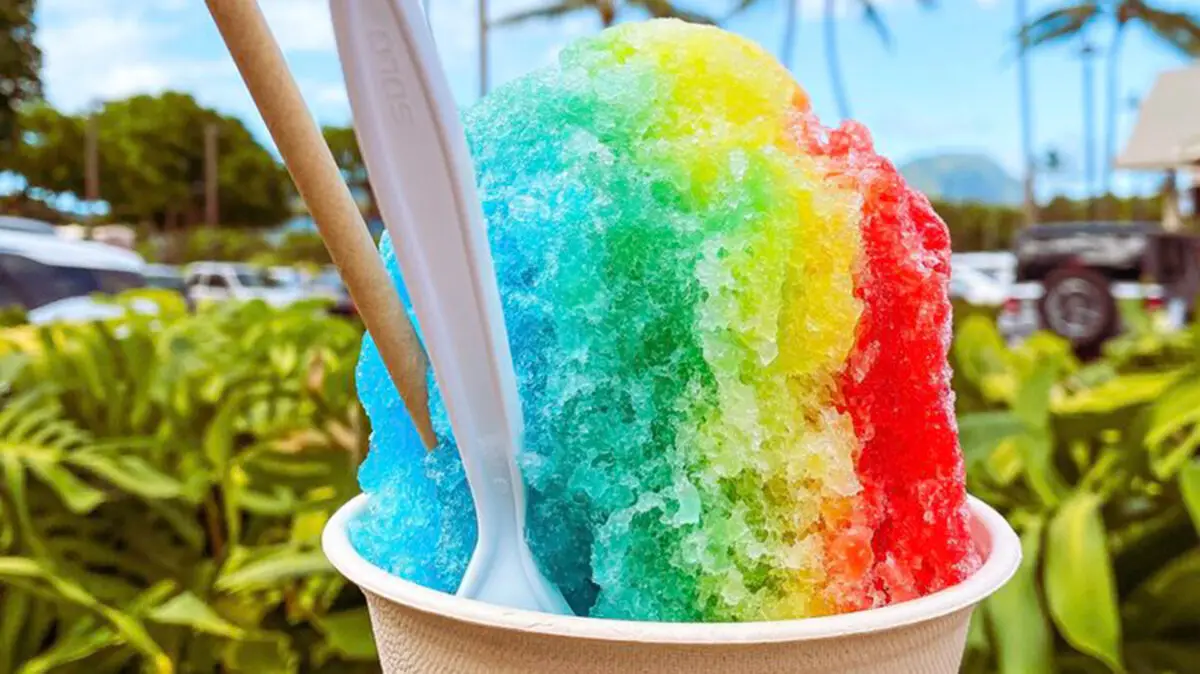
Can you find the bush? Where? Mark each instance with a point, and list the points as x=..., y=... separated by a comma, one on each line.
x=294, y=249
x=235, y=245
x=1093, y=465
x=166, y=479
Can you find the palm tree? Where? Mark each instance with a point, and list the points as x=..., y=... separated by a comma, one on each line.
x=484, y=56
x=1026, y=106
x=791, y=25
x=873, y=17
x=607, y=11
x=1180, y=30
x=870, y=13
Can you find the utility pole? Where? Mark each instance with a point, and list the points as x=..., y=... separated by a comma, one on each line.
x=1089, y=126
x=212, y=206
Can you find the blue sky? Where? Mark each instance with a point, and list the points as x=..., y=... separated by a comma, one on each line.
x=948, y=83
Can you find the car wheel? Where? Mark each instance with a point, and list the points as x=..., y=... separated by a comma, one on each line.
x=1078, y=305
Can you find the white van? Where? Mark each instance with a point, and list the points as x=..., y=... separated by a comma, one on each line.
x=53, y=279
x=224, y=281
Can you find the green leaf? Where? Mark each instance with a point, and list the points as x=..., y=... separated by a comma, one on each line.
x=72, y=648
x=1024, y=642
x=979, y=351
x=1006, y=462
x=219, y=436
x=1032, y=405
x=1164, y=657
x=1174, y=427
x=348, y=635
x=130, y=473
x=1189, y=488
x=14, y=610
x=1081, y=592
x=269, y=654
x=1037, y=453
x=14, y=481
x=1120, y=392
x=277, y=504
x=1167, y=601
x=79, y=497
x=128, y=627
x=979, y=433
x=273, y=570
x=188, y=610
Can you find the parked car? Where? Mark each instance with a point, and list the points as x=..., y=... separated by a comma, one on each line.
x=975, y=287
x=1000, y=265
x=225, y=281
x=1083, y=270
x=1019, y=315
x=289, y=277
x=10, y=223
x=168, y=277
x=328, y=284
x=57, y=280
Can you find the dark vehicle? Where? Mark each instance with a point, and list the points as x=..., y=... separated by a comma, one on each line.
x=1078, y=264
x=167, y=277
x=51, y=279
x=328, y=284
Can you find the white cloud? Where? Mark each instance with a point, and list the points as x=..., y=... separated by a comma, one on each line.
x=300, y=25
x=96, y=57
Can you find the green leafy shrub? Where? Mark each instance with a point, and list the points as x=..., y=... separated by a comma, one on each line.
x=1094, y=465
x=296, y=248
x=165, y=482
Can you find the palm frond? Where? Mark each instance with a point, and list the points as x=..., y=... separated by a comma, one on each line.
x=741, y=6
x=665, y=9
x=552, y=11
x=1060, y=24
x=875, y=20
x=1180, y=30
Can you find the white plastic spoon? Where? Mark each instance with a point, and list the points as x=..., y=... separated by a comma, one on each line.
x=422, y=178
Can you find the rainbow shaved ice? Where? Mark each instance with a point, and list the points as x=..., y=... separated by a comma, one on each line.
x=729, y=325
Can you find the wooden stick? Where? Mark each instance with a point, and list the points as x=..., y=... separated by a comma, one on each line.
x=308, y=159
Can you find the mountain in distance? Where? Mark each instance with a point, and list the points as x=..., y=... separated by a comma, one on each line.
x=963, y=177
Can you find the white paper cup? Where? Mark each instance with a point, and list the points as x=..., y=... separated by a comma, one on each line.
x=424, y=631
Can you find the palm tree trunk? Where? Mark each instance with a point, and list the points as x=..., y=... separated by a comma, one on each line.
x=791, y=22
x=1110, y=122
x=833, y=60
x=484, y=75
x=1089, y=128
x=1026, y=105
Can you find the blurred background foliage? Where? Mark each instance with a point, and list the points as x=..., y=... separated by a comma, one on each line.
x=166, y=479
x=1094, y=464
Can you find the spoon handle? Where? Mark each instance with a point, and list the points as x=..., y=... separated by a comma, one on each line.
x=421, y=174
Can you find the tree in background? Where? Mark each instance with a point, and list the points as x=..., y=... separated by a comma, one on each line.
x=833, y=60
x=344, y=145
x=20, y=66
x=1025, y=104
x=607, y=10
x=151, y=152
x=792, y=17
x=49, y=155
x=1178, y=30
x=791, y=26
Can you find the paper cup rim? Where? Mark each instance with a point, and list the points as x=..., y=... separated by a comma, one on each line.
x=1002, y=561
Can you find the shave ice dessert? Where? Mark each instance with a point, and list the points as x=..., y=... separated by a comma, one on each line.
x=729, y=325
